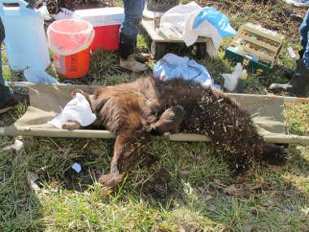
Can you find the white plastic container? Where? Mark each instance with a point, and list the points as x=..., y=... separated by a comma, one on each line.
x=106, y=23
x=25, y=38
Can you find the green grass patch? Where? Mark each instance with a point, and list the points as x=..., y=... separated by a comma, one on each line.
x=297, y=115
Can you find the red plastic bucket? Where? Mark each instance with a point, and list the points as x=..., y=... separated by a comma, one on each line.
x=70, y=40
x=73, y=66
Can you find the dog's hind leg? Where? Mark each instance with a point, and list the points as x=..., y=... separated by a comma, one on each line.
x=125, y=145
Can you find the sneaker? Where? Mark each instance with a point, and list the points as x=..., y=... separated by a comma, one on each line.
x=132, y=65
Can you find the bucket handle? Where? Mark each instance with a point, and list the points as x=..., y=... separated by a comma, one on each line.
x=21, y=3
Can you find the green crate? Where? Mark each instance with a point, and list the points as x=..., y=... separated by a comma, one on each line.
x=252, y=65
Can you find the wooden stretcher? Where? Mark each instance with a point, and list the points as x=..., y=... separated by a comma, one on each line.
x=48, y=100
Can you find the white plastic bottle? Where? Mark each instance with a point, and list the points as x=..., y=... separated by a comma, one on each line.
x=25, y=38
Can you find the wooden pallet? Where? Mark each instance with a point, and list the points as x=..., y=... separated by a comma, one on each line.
x=159, y=42
x=260, y=43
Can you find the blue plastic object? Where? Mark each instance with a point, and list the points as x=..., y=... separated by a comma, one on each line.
x=172, y=66
x=217, y=19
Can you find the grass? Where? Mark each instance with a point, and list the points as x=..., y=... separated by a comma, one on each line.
x=173, y=186
x=298, y=115
x=186, y=187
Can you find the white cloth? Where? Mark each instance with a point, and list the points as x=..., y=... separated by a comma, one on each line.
x=188, y=22
x=78, y=109
x=300, y=3
x=173, y=22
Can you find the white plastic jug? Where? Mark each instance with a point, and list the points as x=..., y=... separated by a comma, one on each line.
x=25, y=38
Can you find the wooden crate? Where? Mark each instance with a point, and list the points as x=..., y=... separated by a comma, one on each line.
x=255, y=45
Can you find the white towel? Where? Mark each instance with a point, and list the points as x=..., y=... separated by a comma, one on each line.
x=78, y=109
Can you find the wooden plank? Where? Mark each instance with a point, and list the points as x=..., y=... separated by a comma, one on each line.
x=260, y=55
x=261, y=44
x=180, y=137
x=104, y=134
x=251, y=28
x=54, y=132
x=155, y=35
x=270, y=138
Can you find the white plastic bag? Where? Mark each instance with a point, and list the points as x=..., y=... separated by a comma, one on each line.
x=231, y=79
x=44, y=12
x=69, y=36
x=173, y=22
x=188, y=22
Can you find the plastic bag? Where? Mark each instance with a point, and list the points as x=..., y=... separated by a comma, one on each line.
x=39, y=77
x=231, y=79
x=44, y=12
x=173, y=22
x=188, y=22
x=216, y=19
x=172, y=66
x=69, y=36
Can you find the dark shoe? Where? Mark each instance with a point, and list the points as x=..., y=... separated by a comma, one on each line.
x=300, y=82
x=126, y=46
x=12, y=101
x=298, y=85
x=7, y=105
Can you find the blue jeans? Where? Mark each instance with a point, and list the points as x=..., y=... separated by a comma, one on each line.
x=133, y=10
x=304, y=30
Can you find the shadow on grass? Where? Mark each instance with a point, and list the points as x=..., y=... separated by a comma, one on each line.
x=190, y=179
x=20, y=208
x=169, y=186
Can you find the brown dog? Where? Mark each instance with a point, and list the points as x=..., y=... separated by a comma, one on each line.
x=148, y=106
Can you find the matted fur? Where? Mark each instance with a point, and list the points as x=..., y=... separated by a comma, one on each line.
x=134, y=110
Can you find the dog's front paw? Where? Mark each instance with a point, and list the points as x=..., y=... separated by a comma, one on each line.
x=71, y=125
x=111, y=180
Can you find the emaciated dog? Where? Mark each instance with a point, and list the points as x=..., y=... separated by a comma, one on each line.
x=149, y=106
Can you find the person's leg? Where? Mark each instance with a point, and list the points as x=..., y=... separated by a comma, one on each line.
x=299, y=84
x=5, y=92
x=303, y=30
x=133, y=14
x=7, y=99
